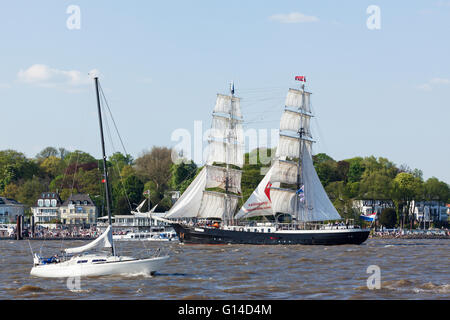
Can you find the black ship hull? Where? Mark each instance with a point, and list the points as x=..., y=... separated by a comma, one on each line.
x=202, y=235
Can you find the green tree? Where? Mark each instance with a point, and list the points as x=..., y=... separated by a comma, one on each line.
x=388, y=218
x=47, y=152
x=182, y=174
x=30, y=190
x=327, y=171
x=405, y=188
x=131, y=189
x=52, y=166
x=15, y=166
x=356, y=169
x=79, y=157
x=433, y=189
x=155, y=166
x=118, y=160
x=375, y=185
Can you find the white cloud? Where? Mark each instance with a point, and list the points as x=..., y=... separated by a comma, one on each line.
x=433, y=83
x=45, y=76
x=439, y=81
x=443, y=3
x=293, y=17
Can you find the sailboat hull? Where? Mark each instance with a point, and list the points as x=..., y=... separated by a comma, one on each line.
x=120, y=267
x=198, y=235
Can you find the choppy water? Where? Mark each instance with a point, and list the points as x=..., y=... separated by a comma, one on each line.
x=410, y=269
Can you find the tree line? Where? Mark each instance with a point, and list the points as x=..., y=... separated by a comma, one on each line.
x=70, y=172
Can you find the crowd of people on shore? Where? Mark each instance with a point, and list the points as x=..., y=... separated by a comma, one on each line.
x=412, y=234
x=53, y=233
x=65, y=233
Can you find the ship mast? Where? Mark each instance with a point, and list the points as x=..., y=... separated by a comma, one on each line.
x=301, y=133
x=105, y=169
x=228, y=216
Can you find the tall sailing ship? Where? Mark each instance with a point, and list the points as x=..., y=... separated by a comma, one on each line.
x=215, y=192
x=290, y=196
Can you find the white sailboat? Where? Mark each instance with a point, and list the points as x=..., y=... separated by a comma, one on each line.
x=82, y=261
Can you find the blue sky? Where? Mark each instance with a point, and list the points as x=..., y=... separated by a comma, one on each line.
x=379, y=92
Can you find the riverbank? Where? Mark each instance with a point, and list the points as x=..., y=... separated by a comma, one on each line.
x=413, y=235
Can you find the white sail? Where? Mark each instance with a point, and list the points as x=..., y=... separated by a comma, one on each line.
x=288, y=147
x=283, y=200
x=229, y=105
x=290, y=121
x=188, y=204
x=222, y=152
x=318, y=205
x=104, y=241
x=139, y=207
x=293, y=121
x=284, y=172
x=224, y=128
x=213, y=205
x=216, y=178
x=258, y=204
x=294, y=99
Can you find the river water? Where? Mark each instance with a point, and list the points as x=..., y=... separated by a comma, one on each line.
x=408, y=269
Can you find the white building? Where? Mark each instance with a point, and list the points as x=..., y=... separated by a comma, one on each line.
x=78, y=209
x=366, y=207
x=429, y=210
x=46, y=209
x=10, y=209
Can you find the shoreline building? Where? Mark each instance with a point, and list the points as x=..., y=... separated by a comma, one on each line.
x=10, y=209
x=429, y=210
x=367, y=207
x=79, y=209
x=46, y=209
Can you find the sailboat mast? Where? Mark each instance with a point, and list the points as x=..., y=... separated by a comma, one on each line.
x=105, y=169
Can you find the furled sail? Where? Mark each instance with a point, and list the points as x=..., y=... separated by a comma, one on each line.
x=318, y=205
x=188, y=204
x=216, y=177
x=104, y=241
x=217, y=205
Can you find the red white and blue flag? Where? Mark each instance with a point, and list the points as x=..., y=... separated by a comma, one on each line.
x=300, y=78
x=369, y=217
